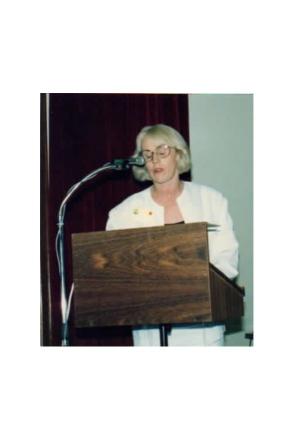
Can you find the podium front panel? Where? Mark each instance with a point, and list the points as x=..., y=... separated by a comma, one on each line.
x=142, y=276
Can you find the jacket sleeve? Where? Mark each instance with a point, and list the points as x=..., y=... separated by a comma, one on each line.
x=223, y=245
x=111, y=224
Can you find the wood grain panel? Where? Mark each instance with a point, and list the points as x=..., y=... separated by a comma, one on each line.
x=142, y=276
x=226, y=296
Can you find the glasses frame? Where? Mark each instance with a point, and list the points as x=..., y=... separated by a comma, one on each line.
x=156, y=153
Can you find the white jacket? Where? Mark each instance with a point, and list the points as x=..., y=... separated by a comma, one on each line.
x=197, y=203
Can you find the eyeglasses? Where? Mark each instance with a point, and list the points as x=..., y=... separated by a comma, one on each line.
x=160, y=152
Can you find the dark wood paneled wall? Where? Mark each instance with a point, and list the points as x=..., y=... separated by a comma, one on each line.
x=79, y=133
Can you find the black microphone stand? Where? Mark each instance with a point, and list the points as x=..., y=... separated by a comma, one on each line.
x=117, y=164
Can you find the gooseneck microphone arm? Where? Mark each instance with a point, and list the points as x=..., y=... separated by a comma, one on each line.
x=116, y=164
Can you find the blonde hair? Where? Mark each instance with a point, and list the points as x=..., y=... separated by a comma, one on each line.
x=168, y=135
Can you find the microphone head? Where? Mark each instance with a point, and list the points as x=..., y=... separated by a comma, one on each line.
x=137, y=161
x=124, y=164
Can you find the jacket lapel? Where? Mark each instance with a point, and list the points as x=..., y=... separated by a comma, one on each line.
x=190, y=204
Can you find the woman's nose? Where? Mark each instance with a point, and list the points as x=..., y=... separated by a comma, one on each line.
x=155, y=157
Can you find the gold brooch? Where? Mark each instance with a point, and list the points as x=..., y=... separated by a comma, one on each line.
x=137, y=211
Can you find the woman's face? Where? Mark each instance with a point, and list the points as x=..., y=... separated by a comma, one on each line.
x=160, y=169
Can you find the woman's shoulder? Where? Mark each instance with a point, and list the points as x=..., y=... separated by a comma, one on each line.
x=202, y=190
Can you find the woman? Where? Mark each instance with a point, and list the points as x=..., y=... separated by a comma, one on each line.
x=170, y=200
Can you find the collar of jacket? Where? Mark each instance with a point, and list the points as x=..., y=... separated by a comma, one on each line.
x=189, y=202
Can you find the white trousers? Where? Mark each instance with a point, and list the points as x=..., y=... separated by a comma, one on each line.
x=181, y=335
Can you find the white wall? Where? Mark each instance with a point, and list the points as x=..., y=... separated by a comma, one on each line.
x=221, y=142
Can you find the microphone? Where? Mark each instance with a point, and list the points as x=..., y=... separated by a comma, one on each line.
x=121, y=164
x=117, y=164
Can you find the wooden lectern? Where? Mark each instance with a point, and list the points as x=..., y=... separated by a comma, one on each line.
x=156, y=275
